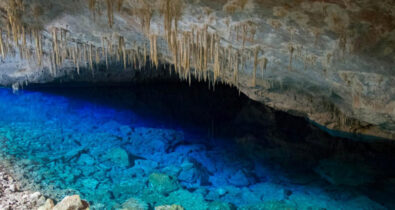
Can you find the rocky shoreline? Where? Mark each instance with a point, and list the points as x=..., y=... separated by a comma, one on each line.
x=13, y=197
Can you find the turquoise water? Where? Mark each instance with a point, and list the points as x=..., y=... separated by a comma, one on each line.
x=152, y=145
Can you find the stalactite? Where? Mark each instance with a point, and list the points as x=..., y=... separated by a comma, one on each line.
x=263, y=65
x=3, y=55
x=55, y=46
x=291, y=51
x=216, y=61
x=119, y=5
x=256, y=52
x=90, y=58
x=145, y=54
x=97, y=57
x=122, y=50
x=144, y=12
x=110, y=12
x=37, y=38
x=78, y=55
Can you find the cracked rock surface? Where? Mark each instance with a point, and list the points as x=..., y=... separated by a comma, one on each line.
x=331, y=61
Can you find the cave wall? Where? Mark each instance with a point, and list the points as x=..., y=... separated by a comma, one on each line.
x=331, y=61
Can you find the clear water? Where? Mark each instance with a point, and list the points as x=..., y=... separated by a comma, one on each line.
x=151, y=145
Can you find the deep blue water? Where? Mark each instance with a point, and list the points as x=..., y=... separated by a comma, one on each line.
x=173, y=144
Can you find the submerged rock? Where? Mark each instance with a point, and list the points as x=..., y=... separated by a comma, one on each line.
x=169, y=207
x=163, y=183
x=342, y=172
x=73, y=202
x=189, y=200
x=239, y=179
x=134, y=204
x=119, y=156
x=86, y=159
x=193, y=174
x=270, y=205
x=219, y=205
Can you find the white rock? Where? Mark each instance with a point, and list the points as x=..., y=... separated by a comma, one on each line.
x=35, y=196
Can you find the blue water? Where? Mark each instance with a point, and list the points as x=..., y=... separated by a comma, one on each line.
x=171, y=144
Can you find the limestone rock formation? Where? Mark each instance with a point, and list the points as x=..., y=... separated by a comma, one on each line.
x=73, y=202
x=330, y=61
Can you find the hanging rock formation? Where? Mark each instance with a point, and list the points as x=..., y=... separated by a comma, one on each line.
x=331, y=61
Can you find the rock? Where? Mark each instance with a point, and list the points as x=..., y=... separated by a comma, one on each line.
x=269, y=191
x=163, y=183
x=169, y=207
x=73, y=202
x=188, y=200
x=130, y=187
x=47, y=206
x=86, y=159
x=193, y=174
x=239, y=179
x=363, y=202
x=89, y=183
x=134, y=204
x=221, y=191
x=148, y=166
x=155, y=141
x=125, y=130
x=35, y=196
x=13, y=187
x=119, y=156
x=343, y=172
x=71, y=154
x=219, y=205
x=270, y=205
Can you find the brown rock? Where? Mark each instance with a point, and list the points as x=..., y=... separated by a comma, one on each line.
x=73, y=202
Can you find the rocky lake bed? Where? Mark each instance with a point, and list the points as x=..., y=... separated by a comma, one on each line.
x=113, y=159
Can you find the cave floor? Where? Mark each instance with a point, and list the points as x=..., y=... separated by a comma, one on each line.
x=151, y=145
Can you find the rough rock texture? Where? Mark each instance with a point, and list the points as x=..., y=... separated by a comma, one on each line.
x=73, y=202
x=331, y=61
x=11, y=197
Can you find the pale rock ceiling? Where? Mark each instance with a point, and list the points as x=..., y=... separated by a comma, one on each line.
x=329, y=60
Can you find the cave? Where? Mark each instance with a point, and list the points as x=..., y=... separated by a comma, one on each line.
x=195, y=105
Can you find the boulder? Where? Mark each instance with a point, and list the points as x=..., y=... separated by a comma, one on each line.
x=219, y=205
x=73, y=202
x=119, y=156
x=163, y=183
x=148, y=166
x=270, y=205
x=47, y=206
x=169, y=207
x=89, y=183
x=86, y=159
x=125, y=130
x=130, y=187
x=343, y=172
x=134, y=204
x=188, y=200
x=239, y=179
x=193, y=174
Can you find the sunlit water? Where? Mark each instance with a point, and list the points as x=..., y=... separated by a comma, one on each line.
x=164, y=144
